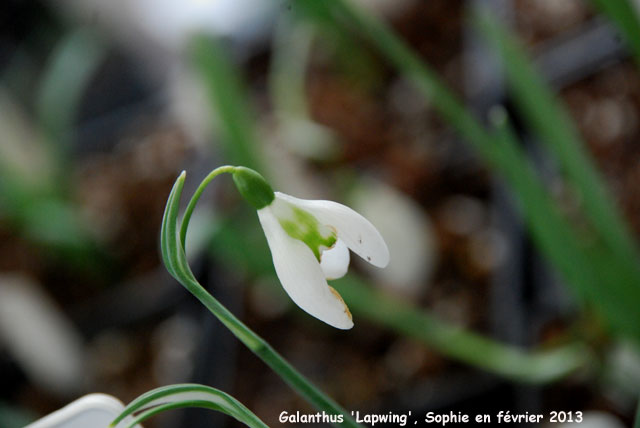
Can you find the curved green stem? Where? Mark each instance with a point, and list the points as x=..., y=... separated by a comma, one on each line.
x=196, y=197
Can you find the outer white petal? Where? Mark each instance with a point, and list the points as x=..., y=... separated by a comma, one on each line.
x=356, y=231
x=301, y=276
x=335, y=261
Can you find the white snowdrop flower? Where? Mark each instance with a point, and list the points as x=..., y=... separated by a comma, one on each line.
x=309, y=242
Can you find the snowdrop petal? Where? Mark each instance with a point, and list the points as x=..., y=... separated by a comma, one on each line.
x=335, y=261
x=356, y=231
x=301, y=275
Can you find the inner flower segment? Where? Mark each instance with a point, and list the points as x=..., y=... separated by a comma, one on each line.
x=301, y=225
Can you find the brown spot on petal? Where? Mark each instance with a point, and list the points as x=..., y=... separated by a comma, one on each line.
x=346, y=309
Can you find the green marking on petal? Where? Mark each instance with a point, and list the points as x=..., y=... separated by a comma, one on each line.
x=306, y=228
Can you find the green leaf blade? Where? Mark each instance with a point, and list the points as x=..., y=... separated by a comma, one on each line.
x=183, y=396
x=548, y=118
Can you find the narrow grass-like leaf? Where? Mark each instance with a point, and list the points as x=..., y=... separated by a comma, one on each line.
x=167, y=239
x=548, y=227
x=536, y=367
x=542, y=111
x=186, y=395
x=34, y=200
x=561, y=136
x=229, y=100
x=291, y=49
x=66, y=77
x=345, y=16
x=597, y=275
x=612, y=257
x=161, y=408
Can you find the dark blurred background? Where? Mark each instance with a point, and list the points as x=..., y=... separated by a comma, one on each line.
x=101, y=107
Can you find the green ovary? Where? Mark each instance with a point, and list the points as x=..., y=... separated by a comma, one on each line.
x=307, y=229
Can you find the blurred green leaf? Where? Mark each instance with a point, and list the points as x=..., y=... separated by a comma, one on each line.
x=625, y=16
x=69, y=71
x=343, y=16
x=229, y=100
x=33, y=200
x=247, y=251
x=291, y=49
x=26, y=164
x=607, y=274
x=290, y=54
x=537, y=367
x=596, y=274
x=544, y=114
x=34, y=168
x=355, y=64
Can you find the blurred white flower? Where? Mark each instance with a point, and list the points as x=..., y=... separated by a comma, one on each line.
x=40, y=337
x=157, y=27
x=409, y=233
x=309, y=242
x=171, y=22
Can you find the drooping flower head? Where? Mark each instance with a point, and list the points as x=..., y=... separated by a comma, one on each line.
x=309, y=242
